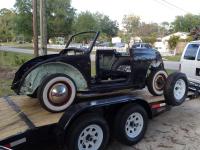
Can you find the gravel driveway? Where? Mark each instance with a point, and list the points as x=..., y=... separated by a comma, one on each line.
x=177, y=129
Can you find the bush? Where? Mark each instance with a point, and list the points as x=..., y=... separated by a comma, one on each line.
x=19, y=60
x=151, y=40
x=173, y=42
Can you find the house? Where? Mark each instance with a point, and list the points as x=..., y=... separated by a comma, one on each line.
x=134, y=40
x=162, y=44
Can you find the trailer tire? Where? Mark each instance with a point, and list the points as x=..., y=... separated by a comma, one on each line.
x=130, y=124
x=176, y=88
x=88, y=130
x=56, y=92
x=156, y=81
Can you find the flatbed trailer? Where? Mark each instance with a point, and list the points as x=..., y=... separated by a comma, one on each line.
x=24, y=122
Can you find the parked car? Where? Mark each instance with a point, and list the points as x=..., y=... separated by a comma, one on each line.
x=57, y=79
x=141, y=45
x=104, y=44
x=190, y=61
x=119, y=45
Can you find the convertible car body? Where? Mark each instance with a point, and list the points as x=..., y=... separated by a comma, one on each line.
x=56, y=79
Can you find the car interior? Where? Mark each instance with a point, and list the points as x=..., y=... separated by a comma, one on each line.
x=112, y=66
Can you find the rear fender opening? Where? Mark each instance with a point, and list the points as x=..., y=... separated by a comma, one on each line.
x=155, y=65
x=36, y=76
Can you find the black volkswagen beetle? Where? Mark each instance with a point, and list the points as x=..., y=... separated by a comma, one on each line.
x=57, y=79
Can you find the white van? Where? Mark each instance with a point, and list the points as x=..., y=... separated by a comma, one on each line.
x=190, y=61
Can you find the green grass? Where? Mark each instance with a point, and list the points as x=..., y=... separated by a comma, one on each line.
x=93, y=68
x=5, y=89
x=173, y=58
x=12, y=60
x=9, y=63
x=170, y=71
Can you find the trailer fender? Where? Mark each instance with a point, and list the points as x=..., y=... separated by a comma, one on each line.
x=76, y=110
x=35, y=77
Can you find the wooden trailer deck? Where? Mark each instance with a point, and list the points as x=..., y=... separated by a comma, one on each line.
x=20, y=113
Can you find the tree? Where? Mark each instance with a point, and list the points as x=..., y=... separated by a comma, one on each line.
x=6, y=24
x=149, y=39
x=85, y=21
x=186, y=23
x=173, y=41
x=106, y=25
x=131, y=24
x=195, y=33
x=23, y=19
x=60, y=16
x=151, y=29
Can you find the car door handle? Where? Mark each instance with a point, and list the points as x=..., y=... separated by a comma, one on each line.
x=197, y=71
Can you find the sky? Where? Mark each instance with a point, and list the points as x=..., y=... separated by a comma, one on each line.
x=149, y=10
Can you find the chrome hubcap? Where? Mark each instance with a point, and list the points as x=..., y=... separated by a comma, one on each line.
x=58, y=93
x=179, y=89
x=90, y=138
x=134, y=125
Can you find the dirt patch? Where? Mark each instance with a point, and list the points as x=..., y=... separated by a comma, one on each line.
x=7, y=73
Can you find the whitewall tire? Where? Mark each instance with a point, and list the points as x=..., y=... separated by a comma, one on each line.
x=156, y=82
x=57, y=92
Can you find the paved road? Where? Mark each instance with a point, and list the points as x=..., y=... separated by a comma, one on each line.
x=20, y=50
x=177, y=129
x=168, y=64
x=172, y=65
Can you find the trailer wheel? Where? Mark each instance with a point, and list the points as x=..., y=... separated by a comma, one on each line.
x=57, y=92
x=131, y=124
x=176, y=89
x=156, y=82
x=88, y=132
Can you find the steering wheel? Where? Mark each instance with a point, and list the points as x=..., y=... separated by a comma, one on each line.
x=75, y=49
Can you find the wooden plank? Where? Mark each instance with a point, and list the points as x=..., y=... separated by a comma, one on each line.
x=32, y=108
x=144, y=94
x=10, y=122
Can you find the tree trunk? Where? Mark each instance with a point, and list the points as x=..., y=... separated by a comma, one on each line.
x=43, y=27
x=35, y=29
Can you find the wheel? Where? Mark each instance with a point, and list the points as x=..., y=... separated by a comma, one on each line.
x=88, y=132
x=156, y=82
x=130, y=124
x=176, y=89
x=57, y=92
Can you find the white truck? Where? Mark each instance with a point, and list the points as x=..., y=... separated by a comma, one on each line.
x=190, y=63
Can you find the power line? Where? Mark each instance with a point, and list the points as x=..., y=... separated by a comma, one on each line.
x=177, y=7
x=170, y=5
x=164, y=4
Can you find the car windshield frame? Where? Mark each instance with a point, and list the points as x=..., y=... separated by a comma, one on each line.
x=89, y=49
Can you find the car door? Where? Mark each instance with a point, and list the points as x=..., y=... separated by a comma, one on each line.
x=197, y=68
x=189, y=61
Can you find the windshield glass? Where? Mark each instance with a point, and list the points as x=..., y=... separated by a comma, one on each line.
x=191, y=51
x=82, y=41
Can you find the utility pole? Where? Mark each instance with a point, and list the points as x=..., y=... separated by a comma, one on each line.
x=35, y=29
x=43, y=27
